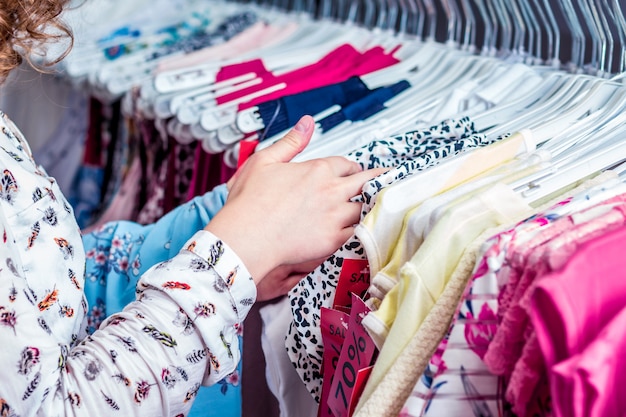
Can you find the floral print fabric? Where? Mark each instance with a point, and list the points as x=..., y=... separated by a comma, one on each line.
x=149, y=359
x=458, y=381
x=118, y=253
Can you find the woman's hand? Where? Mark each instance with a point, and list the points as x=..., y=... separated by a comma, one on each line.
x=280, y=280
x=283, y=213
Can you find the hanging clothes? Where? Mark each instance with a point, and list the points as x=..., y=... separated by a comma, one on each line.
x=457, y=256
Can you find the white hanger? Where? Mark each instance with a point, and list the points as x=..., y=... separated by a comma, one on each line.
x=576, y=170
x=589, y=102
x=552, y=105
x=590, y=131
x=579, y=153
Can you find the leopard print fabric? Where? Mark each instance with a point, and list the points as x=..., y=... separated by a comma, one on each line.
x=407, y=154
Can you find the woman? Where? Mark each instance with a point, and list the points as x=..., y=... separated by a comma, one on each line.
x=181, y=332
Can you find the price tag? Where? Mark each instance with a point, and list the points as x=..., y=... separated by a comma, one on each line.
x=357, y=354
x=334, y=325
x=353, y=278
x=246, y=149
x=361, y=379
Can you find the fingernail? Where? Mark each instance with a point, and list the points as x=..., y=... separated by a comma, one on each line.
x=303, y=125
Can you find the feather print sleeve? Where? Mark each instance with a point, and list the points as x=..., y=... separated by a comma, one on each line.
x=119, y=252
x=148, y=360
x=151, y=358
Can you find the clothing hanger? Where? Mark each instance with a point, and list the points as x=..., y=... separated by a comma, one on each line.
x=534, y=33
x=393, y=14
x=451, y=37
x=575, y=170
x=431, y=21
x=419, y=10
x=267, y=61
x=554, y=84
x=506, y=42
x=605, y=38
x=595, y=36
x=399, y=117
x=326, y=9
x=594, y=139
x=540, y=21
x=596, y=124
x=380, y=22
x=583, y=141
x=469, y=38
x=225, y=112
x=493, y=15
x=554, y=35
x=404, y=17
x=554, y=108
x=374, y=119
x=621, y=30
x=208, y=120
x=578, y=38
x=608, y=22
x=448, y=61
x=341, y=14
x=520, y=32
x=384, y=30
x=488, y=33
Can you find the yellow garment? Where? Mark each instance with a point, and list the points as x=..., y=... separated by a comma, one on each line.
x=390, y=394
x=423, y=279
x=417, y=222
x=379, y=230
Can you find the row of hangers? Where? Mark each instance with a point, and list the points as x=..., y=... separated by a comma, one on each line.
x=497, y=40
x=594, y=29
x=529, y=30
x=567, y=105
x=576, y=115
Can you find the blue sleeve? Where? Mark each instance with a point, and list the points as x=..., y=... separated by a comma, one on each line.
x=120, y=252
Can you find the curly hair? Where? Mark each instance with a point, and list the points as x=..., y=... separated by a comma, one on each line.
x=25, y=26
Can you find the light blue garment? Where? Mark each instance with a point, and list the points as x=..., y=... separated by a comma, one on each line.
x=117, y=255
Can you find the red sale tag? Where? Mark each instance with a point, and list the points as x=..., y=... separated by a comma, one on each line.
x=246, y=148
x=357, y=353
x=361, y=379
x=334, y=325
x=353, y=278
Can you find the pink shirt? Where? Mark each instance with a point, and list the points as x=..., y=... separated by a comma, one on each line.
x=514, y=351
x=337, y=66
x=569, y=308
x=590, y=384
x=529, y=368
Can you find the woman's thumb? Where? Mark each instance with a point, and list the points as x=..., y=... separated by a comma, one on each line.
x=285, y=149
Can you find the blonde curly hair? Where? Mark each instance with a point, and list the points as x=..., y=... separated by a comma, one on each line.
x=25, y=26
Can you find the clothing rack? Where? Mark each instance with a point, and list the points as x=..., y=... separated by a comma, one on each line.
x=583, y=35
x=579, y=45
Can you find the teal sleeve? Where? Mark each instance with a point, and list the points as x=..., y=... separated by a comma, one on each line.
x=119, y=252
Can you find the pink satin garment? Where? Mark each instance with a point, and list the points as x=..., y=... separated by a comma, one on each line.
x=569, y=310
